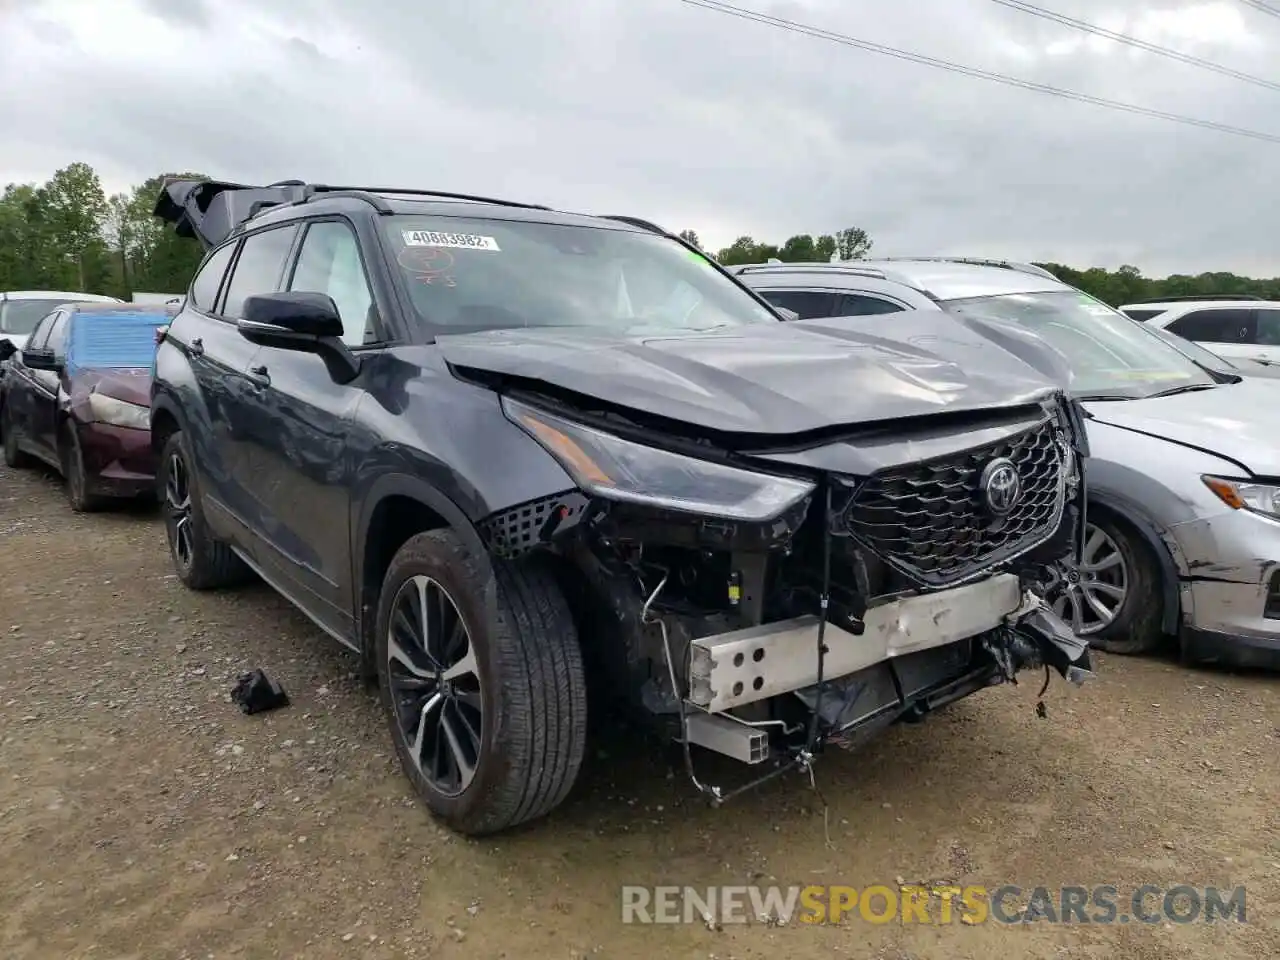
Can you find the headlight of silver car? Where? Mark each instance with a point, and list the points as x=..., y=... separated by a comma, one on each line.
x=609, y=466
x=1261, y=498
x=119, y=413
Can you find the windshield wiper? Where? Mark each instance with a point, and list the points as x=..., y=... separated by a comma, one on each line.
x=1185, y=388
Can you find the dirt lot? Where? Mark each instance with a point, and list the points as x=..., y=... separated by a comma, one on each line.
x=142, y=816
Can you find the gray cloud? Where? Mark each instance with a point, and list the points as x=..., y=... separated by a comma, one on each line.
x=691, y=118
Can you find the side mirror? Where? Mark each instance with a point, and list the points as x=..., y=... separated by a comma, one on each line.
x=302, y=314
x=7, y=350
x=787, y=313
x=305, y=322
x=41, y=360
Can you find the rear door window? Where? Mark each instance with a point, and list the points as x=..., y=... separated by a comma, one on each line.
x=259, y=268
x=1221, y=325
x=809, y=304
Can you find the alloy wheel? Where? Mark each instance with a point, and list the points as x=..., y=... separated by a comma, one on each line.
x=435, y=685
x=177, y=498
x=1091, y=596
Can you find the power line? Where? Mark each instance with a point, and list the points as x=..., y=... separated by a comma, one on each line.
x=1263, y=7
x=1140, y=44
x=793, y=27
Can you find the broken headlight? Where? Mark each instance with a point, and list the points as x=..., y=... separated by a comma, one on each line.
x=119, y=413
x=1261, y=498
x=609, y=466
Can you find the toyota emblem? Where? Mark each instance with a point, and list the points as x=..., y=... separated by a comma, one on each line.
x=1001, y=486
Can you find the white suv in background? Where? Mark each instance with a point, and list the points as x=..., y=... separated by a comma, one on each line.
x=1239, y=328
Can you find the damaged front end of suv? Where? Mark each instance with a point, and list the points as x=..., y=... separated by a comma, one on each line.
x=764, y=601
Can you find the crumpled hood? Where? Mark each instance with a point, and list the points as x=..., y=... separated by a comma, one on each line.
x=133, y=385
x=1240, y=421
x=772, y=378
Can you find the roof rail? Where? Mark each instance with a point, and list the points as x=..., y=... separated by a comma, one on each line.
x=984, y=262
x=1193, y=298
x=635, y=222
x=312, y=189
x=823, y=265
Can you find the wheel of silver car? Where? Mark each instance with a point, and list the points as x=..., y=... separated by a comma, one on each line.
x=201, y=561
x=1114, y=598
x=431, y=668
x=482, y=681
x=1090, y=597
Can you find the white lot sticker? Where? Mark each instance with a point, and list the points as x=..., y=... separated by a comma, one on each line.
x=461, y=241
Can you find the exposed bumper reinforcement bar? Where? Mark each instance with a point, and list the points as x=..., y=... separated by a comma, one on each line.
x=732, y=669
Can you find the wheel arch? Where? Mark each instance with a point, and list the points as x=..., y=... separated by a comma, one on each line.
x=1130, y=513
x=396, y=507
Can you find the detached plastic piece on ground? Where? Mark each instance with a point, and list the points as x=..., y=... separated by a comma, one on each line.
x=257, y=693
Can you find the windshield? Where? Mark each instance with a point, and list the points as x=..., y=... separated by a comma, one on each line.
x=1110, y=355
x=114, y=340
x=464, y=275
x=21, y=316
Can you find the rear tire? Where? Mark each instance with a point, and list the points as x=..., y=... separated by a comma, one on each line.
x=13, y=457
x=73, y=472
x=201, y=561
x=512, y=693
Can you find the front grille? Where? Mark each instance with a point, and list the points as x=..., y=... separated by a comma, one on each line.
x=931, y=520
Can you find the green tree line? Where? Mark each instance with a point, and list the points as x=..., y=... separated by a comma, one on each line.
x=67, y=234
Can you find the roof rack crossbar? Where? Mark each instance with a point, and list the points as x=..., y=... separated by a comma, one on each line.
x=326, y=188
x=985, y=262
x=1193, y=298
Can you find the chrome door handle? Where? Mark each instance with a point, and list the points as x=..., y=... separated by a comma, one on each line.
x=196, y=347
x=258, y=375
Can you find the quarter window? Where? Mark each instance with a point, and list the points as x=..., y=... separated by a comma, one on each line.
x=204, y=288
x=858, y=305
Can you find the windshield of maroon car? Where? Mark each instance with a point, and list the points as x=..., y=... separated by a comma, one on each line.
x=118, y=339
x=464, y=275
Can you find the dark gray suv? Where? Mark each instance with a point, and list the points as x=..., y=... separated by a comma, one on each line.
x=499, y=450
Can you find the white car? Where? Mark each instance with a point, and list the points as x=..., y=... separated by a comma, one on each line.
x=1239, y=329
x=21, y=310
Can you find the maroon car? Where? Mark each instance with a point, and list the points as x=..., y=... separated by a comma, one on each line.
x=78, y=396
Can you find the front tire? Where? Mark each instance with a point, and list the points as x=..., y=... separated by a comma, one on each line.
x=1117, y=602
x=73, y=472
x=489, y=719
x=13, y=457
x=200, y=561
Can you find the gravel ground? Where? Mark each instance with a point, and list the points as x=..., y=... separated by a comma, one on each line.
x=142, y=816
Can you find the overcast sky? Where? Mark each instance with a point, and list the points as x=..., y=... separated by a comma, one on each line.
x=691, y=118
